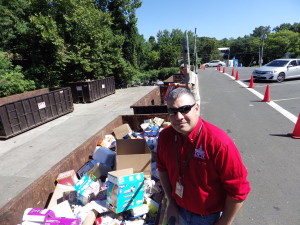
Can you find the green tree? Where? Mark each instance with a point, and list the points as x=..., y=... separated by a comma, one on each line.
x=287, y=26
x=14, y=25
x=208, y=49
x=170, y=47
x=280, y=43
x=124, y=23
x=75, y=42
x=12, y=81
x=245, y=50
x=261, y=30
x=284, y=26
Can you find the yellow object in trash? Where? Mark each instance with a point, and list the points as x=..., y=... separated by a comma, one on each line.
x=165, y=124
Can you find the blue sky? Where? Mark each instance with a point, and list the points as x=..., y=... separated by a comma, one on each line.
x=218, y=18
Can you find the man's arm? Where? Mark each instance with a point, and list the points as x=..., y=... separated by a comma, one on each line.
x=231, y=209
x=164, y=180
x=172, y=208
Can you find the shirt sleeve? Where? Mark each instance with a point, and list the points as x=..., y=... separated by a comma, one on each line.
x=233, y=172
x=159, y=158
x=191, y=78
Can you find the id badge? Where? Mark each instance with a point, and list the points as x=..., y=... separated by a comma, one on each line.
x=179, y=189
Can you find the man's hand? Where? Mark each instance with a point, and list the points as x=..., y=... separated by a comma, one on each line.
x=232, y=207
x=172, y=213
x=222, y=222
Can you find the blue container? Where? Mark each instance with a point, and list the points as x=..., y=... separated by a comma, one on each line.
x=104, y=156
x=235, y=62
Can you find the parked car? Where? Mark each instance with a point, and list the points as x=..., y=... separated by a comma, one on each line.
x=214, y=63
x=278, y=70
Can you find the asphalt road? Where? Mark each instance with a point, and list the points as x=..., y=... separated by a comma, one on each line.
x=285, y=94
x=260, y=132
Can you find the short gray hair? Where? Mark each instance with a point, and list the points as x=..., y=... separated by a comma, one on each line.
x=178, y=92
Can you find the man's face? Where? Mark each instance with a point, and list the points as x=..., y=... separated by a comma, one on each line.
x=184, y=70
x=184, y=123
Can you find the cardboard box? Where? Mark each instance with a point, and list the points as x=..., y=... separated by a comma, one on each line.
x=91, y=168
x=125, y=190
x=87, y=189
x=133, y=153
x=122, y=131
x=67, y=178
x=57, y=198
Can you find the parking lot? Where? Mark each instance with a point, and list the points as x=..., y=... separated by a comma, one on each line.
x=285, y=94
x=261, y=134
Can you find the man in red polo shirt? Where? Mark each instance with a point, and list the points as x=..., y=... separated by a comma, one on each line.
x=200, y=168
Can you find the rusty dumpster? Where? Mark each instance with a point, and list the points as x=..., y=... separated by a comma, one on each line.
x=92, y=90
x=176, y=78
x=153, y=102
x=19, y=113
x=38, y=194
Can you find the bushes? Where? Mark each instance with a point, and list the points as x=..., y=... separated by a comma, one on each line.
x=12, y=80
x=154, y=75
x=164, y=73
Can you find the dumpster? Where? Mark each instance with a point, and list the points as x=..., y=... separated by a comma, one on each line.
x=92, y=90
x=19, y=113
x=153, y=102
x=38, y=194
x=176, y=78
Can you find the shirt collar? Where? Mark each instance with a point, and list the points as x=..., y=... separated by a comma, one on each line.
x=194, y=132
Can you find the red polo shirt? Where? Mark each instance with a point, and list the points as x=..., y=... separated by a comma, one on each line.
x=215, y=168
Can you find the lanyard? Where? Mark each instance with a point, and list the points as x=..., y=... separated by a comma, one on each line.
x=181, y=171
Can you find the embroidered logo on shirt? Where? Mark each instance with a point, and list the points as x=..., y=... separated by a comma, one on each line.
x=199, y=153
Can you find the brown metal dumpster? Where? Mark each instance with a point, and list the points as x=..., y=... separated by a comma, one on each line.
x=92, y=90
x=176, y=78
x=19, y=113
x=38, y=194
x=153, y=102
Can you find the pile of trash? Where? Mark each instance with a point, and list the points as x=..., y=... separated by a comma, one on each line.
x=118, y=185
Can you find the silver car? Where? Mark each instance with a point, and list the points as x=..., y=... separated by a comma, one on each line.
x=214, y=63
x=278, y=70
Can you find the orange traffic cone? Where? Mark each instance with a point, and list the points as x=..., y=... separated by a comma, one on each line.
x=267, y=94
x=224, y=70
x=232, y=72
x=218, y=68
x=251, y=85
x=237, y=75
x=296, y=132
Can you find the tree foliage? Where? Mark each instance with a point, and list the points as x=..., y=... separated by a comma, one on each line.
x=260, y=31
x=77, y=39
x=60, y=41
x=277, y=45
x=12, y=80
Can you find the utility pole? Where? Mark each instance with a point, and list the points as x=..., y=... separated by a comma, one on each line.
x=259, y=56
x=184, y=55
x=195, y=52
x=262, y=48
x=187, y=47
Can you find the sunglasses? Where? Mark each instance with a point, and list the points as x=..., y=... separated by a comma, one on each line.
x=183, y=109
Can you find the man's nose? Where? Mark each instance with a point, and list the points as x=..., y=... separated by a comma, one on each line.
x=179, y=115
